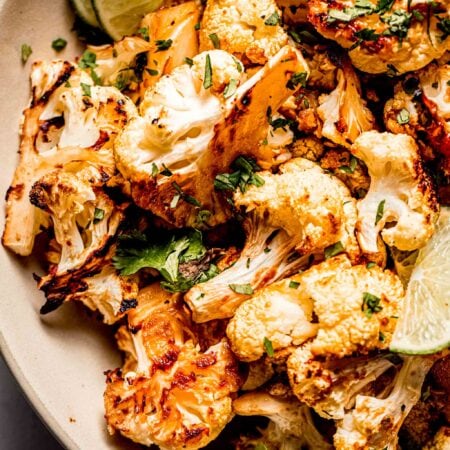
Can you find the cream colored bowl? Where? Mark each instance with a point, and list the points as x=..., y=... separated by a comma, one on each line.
x=58, y=359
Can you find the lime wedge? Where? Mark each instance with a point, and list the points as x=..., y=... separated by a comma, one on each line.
x=121, y=18
x=424, y=326
x=85, y=11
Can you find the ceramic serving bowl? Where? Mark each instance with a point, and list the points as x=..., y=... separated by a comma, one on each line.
x=58, y=359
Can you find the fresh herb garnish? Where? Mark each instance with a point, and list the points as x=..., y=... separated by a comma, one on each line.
x=297, y=78
x=86, y=88
x=371, y=264
x=230, y=89
x=88, y=60
x=380, y=211
x=152, y=72
x=166, y=171
x=364, y=35
x=99, y=214
x=207, y=81
x=189, y=61
x=95, y=78
x=444, y=26
x=245, y=289
x=273, y=20
x=333, y=250
x=166, y=253
x=294, y=284
x=154, y=170
x=215, y=40
x=163, y=44
x=268, y=347
x=371, y=304
x=398, y=23
x=59, y=44
x=186, y=197
x=351, y=166
x=403, y=117
x=25, y=52
x=243, y=176
x=144, y=33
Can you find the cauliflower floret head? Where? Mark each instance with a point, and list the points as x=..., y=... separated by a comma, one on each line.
x=175, y=396
x=374, y=422
x=441, y=440
x=343, y=111
x=182, y=141
x=401, y=36
x=330, y=387
x=250, y=30
x=62, y=124
x=400, y=193
x=84, y=218
x=291, y=424
x=300, y=209
x=276, y=313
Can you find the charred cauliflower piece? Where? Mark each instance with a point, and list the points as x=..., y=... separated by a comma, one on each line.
x=283, y=312
x=62, y=124
x=399, y=36
x=374, y=422
x=251, y=31
x=291, y=425
x=441, y=440
x=177, y=148
x=174, y=395
x=400, y=193
x=290, y=215
x=330, y=387
x=343, y=111
x=277, y=313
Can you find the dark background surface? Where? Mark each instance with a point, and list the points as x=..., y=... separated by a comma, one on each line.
x=20, y=427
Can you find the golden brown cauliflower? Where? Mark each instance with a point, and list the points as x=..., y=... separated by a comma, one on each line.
x=399, y=35
x=290, y=215
x=441, y=440
x=400, y=193
x=250, y=30
x=330, y=387
x=277, y=313
x=173, y=395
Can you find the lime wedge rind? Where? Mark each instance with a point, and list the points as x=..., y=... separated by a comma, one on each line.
x=85, y=11
x=424, y=326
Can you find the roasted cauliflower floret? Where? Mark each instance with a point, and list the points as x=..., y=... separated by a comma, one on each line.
x=176, y=25
x=174, y=396
x=251, y=31
x=290, y=215
x=177, y=148
x=401, y=36
x=441, y=440
x=107, y=292
x=400, y=193
x=276, y=313
x=343, y=111
x=62, y=124
x=374, y=422
x=330, y=387
x=291, y=425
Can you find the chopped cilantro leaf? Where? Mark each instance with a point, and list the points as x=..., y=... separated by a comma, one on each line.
x=25, y=52
x=371, y=264
x=86, y=88
x=215, y=40
x=268, y=347
x=166, y=171
x=207, y=81
x=245, y=289
x=189, y=61
x=333, y=250
x=88, y=60
x=398, y=23
x=298, y=78
x=99, y=214
x=152, y=72
x=163, y=44
x=230, y=89
x=371, y=304
x=59, y=44
x=380, y=211
x=186, y=197
x=273, y=20
x=144, y=33
x=403, y=117
x=294, y=284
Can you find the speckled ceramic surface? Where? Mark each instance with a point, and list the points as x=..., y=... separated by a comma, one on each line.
x=58, y=359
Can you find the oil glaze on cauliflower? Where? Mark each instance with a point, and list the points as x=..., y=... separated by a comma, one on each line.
x=295, y=213
x=399, y=36
x=173, y=395
x=250, y=30
x=400, y=193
